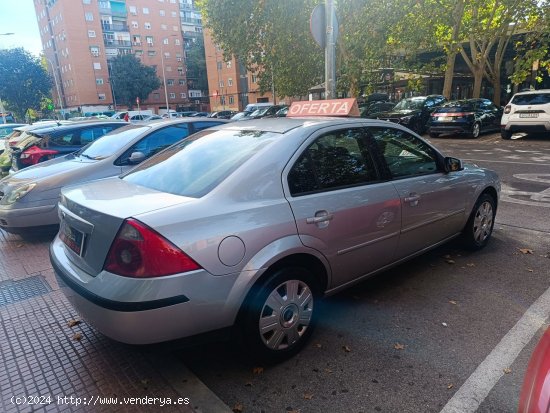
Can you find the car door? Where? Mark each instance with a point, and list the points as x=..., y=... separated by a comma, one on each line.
x=342, y=206
x=492, y=115
x=432, y=201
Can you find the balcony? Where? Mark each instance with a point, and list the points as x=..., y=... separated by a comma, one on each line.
x=114, y=27
x=190, y=20
x=117, y=43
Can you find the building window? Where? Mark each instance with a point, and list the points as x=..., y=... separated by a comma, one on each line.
x=151, y=53
x=135, y=24
x=254, y=79
x=101, y=96
x=97, y=66
x=181, y=82
x=147, y=25
x=231, y=100
x=86, y=1
x=172, y=95
x=168, y=68
x=174, y=14
x=221, y=83
x=175, y=28
x=162, y=13
x=182, y=95
x=180, y=70
x=136, y=39
x=133, y=10
x=156, y=96
x=177, y=42
x=91, y=33
x=138, y=53
x=219, y=65
x=89, y=16
x=99, y=81
x=229, y=82
x=164, y=27
x=228, y=64
x=149, y=40
x=165, y=41
x=103, y=4
x=145, y=10
x=94, y=50
x=170, y=82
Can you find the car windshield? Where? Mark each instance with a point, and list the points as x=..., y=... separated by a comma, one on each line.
x=197, y=165
x=531, y=99
x=410, y=104
x=240, y=115
x=112, y=142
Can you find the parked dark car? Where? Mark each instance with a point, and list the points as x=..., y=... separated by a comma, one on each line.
x=375, y=109
x=223, y=114
x=48, y=143
x=470, y=117
x=266, y=112
x=414, y=113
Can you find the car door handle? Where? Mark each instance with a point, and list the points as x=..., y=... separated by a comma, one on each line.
x=412, y=198
x=318, y=219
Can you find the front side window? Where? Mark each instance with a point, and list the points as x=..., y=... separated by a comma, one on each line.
x=405, y=154
x=335, y=160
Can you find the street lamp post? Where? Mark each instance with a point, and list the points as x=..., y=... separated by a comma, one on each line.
x=56, y=87
x=164, y=78
x=1, y=104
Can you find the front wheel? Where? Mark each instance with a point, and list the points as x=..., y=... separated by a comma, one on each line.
x=476, y=128
x=504, y=134
x=279, y=315
x=478, y=229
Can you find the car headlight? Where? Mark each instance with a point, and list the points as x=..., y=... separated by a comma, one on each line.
x=406, y=119
x=18, y=193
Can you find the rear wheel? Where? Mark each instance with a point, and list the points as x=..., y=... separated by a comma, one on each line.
x=478, y=229
x=280, y=314
x=476, y=128
x=504, y=134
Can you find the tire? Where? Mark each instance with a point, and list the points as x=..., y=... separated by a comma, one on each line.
x=287, y=322
x=504, y=134
x=476, y=129
x=434, y=135
x=479, y=228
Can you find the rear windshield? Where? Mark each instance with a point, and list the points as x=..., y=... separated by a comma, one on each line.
x=198, y=164
x=452, y=107
x=531, y=99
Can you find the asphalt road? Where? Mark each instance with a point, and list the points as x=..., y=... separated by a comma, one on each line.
x=447, y=329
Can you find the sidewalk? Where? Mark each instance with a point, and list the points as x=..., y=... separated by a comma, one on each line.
x=49, y=366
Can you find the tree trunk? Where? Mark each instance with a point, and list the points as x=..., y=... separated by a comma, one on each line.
x=478, y=77
x=449, y=72
x=496, y=95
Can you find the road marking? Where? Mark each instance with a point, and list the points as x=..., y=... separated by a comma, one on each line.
x=476, y=388
x=511, y=162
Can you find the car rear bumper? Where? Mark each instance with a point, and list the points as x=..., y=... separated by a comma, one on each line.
x=450, y=129
x=526, y=126
x=12, y=219
x=150, y=310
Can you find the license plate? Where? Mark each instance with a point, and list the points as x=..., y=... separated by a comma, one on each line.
x=73, y=238
x=528, y=115
x=444, y=118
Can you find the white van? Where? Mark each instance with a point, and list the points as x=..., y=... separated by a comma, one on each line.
x=120, y=115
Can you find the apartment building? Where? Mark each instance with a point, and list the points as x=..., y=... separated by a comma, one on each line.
x=230, y=85
x=79, y=38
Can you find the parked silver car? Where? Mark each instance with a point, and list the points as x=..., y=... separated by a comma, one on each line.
x=29, y=198
x=248, y=225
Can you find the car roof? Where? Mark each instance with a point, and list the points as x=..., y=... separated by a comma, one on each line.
x=530, y=92
x=78, y=125
x=284, y=125
x=12, y=125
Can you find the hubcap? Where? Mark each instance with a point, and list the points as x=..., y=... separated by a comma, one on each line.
x=475, y=131
x=286, y=314
x=483, y=222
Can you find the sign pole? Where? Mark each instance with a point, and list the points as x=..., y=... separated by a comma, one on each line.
x=330, y=51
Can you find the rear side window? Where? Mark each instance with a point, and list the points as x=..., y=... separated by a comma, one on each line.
x=90, y=135
x=338, y=159
x=531, y=99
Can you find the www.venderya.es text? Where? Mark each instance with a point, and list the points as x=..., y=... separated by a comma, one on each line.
x=98, y=400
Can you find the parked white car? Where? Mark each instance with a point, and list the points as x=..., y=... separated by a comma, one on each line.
x=526, y=112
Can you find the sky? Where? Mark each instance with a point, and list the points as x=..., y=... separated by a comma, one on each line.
x=17, y=16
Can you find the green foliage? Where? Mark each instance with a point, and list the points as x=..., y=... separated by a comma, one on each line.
x=131, y=79
x=24, y=82
x=196, y=65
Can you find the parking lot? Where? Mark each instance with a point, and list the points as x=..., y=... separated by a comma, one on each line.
x=449, y=331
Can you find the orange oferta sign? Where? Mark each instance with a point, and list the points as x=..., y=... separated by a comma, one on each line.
x=333, y=107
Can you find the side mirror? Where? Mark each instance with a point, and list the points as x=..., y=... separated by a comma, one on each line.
x=136, y=157
x=453, y=164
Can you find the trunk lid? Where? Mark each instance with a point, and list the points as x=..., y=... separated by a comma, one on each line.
x=91, y=215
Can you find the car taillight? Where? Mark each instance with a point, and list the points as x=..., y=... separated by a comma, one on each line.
x=34, y=154
x=141, y=252
x=508, y=109
x=452, y=114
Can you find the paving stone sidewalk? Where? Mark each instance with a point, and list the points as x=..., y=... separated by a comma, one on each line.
x=46, y=365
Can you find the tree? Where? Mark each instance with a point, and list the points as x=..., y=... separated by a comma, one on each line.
x=196, y=65
x=24, y=82
x=131, y=79
x=271, y=38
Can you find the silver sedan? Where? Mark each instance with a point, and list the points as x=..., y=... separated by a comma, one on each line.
x=247, y=225
x=28, y=198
